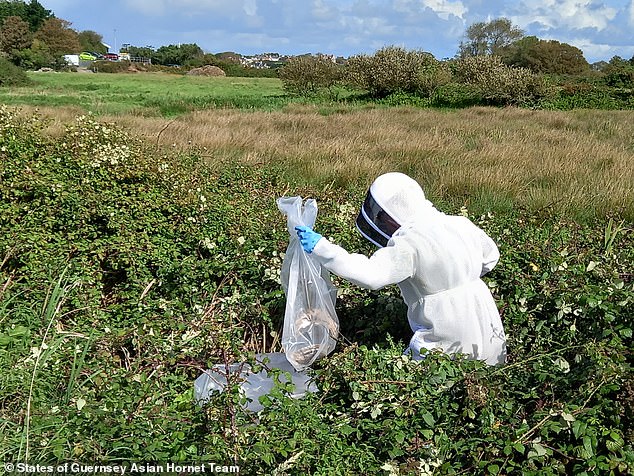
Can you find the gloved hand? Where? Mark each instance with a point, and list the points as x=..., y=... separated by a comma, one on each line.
x=307, y=237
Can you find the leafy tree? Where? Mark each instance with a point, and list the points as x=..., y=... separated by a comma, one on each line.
x=14, y=36
x=57, y=35
x=92, y=41
x=177, y=54
x=35, y=57
x=619, y=73
x=139, y=51
x=36, y=14
x=545, y=56
x=488, y=38
x=12, y=9
x=394, y=69
x=33, y=12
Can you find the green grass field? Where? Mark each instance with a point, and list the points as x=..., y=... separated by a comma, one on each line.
x=145, y=94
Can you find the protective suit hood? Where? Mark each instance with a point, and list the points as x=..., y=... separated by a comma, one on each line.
x=393, y=200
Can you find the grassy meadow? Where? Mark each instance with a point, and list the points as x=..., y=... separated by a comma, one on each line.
x=578, y=162
x=144, y=94
x=140, y=244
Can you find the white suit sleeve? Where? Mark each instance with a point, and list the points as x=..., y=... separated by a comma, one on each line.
x=389, y=265
x=490, y=254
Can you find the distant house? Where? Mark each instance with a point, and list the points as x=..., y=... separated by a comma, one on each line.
x=264, y=60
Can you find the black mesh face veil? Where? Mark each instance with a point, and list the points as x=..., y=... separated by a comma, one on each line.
x=374, y=223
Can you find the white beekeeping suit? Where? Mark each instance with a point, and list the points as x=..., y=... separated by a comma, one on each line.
x=437, y=261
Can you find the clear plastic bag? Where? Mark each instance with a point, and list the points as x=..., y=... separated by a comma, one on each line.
x=310, y=321
x=253, y=385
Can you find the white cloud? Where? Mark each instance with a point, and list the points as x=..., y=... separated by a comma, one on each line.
x=250, y=7
x=571, y=14
x=442, y=8
x=445, y=8
x=594, y=51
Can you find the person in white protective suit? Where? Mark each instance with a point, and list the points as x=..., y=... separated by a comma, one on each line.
x=437, y=261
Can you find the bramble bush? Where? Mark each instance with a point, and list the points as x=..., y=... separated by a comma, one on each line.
x=126, y=270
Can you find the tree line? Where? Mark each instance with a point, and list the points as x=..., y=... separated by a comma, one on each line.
x=32, y=37
x=496, y=64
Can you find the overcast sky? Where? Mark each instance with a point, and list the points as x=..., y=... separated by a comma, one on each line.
x=601, y=29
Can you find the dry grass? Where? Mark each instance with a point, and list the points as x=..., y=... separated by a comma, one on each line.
x=580, y=161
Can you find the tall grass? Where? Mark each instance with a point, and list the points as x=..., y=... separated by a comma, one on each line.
x=579, y=162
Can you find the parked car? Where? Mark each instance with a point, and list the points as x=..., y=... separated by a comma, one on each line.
x=87, y=56
x=111, y=57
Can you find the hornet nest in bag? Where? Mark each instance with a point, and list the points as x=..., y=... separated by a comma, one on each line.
x=305, y=322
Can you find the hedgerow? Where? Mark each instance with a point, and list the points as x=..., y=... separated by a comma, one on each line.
x=125, y=271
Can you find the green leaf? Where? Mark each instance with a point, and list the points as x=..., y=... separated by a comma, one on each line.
x=346, y=429
x=493, y=469
x=539, y=449
x=587, y=446
x=579, y=428
x=615, y=443
x=429, y=419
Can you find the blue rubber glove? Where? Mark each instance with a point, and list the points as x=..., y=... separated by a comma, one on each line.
x=307, y=237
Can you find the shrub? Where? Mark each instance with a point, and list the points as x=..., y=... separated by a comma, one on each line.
x=621, y=75
x=309, y=74
x=582, y=95
x=12, y=75
x=393, y=69
x=498, y=83
x=457, y=95
x=110, y=66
